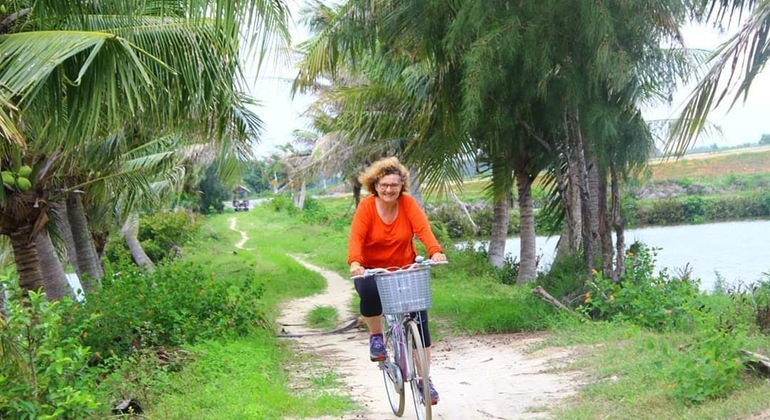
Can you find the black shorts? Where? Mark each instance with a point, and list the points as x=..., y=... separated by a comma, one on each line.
x=370, y=305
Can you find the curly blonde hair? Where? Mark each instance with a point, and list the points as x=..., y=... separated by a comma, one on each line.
x=383, y=167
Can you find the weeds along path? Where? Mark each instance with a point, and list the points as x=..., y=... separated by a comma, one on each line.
x=479, y=377
x=244, y=237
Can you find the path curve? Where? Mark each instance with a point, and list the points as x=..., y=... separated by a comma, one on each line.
x=479, y=377
x=244, y=237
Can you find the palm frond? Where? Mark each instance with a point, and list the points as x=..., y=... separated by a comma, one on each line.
x=734, y=64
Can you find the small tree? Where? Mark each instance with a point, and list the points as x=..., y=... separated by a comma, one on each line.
x=765, y=139
x=213, y=193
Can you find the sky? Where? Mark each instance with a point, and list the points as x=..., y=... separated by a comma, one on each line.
x=744, y=123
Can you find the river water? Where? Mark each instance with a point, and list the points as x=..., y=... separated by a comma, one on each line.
x=738, y=251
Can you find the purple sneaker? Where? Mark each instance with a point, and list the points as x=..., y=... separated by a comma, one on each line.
x=376, y=348
x=433, y=393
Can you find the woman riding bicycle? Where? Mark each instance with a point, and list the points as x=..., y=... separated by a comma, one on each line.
x=381, y=235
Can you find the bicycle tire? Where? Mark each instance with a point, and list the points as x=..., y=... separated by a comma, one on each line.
x=391, y=375
x=416, y=356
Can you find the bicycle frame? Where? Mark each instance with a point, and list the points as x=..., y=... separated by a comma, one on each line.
x=397, y=333
x=403, y=335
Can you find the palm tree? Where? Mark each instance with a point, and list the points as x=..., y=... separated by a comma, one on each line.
x=733, y=65
x=172, y=63
x=397, y=101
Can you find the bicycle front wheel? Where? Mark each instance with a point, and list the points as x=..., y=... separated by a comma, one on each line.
x=419, y=371
x=391, y=374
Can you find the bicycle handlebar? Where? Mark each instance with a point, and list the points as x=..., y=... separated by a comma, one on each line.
x=419, y=262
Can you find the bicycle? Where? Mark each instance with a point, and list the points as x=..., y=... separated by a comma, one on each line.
x=404, y=292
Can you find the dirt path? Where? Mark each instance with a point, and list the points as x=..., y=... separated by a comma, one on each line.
x=244, y=237
x=481, y=377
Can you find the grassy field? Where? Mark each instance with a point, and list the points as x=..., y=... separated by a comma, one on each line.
x=713, y=165
x=625, y=368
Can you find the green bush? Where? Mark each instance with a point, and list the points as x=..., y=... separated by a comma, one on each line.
x=314, y=212
x=161, y=235
x=564, y=278
x=659, y=302
x=666, y=211
x=694, y=208
x=697, y=208
x=283, y=203
x=44, y=370
x=454, y=220
x=763, y=201
x=163, y=232
x=509, y=272
x=709, y=368
x=179, y=303
x=482, y=215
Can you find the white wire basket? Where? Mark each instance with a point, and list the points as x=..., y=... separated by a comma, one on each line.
x=404, y=290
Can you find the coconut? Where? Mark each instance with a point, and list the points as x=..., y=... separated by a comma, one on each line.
x=23, y=184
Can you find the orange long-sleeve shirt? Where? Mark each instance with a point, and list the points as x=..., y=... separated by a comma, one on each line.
x=375, y=244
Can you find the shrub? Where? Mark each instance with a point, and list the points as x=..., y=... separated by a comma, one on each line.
x=283, y=203
x=709, y=368
x=763, y=201
x=666, y=211
x=161, y=235
x=314, y=212
x=509, y=272
x=44, y=370
x=454, y=220
x=694, y=208
x=566, y=277
x=178, y=303
x=659, y=302
x=163, y=232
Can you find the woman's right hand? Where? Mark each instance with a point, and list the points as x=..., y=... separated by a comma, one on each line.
x=356, y=269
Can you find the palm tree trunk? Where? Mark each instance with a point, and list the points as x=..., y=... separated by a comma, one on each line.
x=501, y=215
x=55, y=281
x=88, y=260
x=415, y=186
x=26, y=259
x=605, y=229
x=301, y=196
x=356, y=192
x=590, y=228
x=568, y=184
x=619, y=224
x=63, y=226
x=130, y=231
x=591, y=216
x=528, y=250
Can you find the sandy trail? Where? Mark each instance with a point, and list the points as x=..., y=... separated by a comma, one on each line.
x=481, y=377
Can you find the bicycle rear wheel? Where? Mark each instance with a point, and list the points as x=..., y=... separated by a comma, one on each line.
x=419, y=371
x=391, y=375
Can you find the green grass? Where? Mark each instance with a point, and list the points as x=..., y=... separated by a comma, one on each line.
x=623, y=366
x=245, y=379
x=323, y=317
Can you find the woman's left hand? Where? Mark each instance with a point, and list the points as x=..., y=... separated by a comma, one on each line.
x=438, y=257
